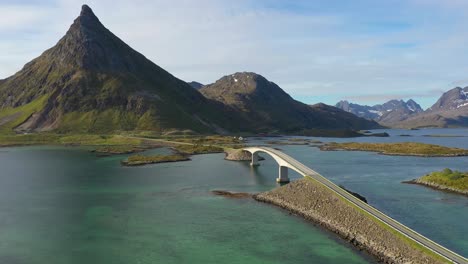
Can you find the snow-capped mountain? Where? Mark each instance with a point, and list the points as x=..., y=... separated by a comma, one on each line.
x=386, y=114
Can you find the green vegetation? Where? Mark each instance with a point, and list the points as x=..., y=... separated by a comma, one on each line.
x=294, y=141
x=116, y=150
x=90, y=140
x=138, y=160
x=206, y=140
x=404, y=149
x=446, y=179
x=339, y=133
x=29, y=139
x=13, y=117
x=114, y=141
x=197, y=149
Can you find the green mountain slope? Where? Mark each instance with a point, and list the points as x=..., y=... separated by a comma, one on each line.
x=91, y=81
x=266, y=106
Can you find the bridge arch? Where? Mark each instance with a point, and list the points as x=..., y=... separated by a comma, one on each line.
x=283, y=165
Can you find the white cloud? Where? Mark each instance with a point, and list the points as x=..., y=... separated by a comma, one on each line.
x=306, y=53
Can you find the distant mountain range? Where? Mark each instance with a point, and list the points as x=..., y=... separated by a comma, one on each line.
x=451, y=110
x=388, y=113
x=92, y=82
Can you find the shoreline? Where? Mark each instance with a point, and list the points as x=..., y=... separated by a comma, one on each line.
x=436, y=186
x=126, y=163
x=410, y=149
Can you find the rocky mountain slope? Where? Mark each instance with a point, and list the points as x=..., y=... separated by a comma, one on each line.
x=266, y=105
x=451, y=110
x=195, y=85
x=91, y=81
x=387, y=114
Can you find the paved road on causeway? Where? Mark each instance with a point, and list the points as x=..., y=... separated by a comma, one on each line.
x=308, y=172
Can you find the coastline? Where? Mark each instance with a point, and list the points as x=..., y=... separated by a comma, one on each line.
x=436, y=186
x=414, y=149
x=316, y=203
x=127, y=163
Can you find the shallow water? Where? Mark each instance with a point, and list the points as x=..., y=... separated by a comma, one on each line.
x=65, y=205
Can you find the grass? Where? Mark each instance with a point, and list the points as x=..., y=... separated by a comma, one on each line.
x=207, y=140
x=197, y=149
x=79, y=139
x=405, y=148
x=124, y=143
x=115, y=150
x=20, y=114
x=30, y=139
x=93, y=140
x=138, y=160
x=447, y=178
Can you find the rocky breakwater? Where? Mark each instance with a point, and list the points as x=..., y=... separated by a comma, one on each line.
x=317, y=203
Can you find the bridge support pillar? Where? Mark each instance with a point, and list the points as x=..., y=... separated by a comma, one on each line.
x=254, y=160
x=283, y=175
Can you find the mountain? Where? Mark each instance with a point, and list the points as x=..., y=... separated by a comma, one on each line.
x=267, y=106
x=451, y=110
x=91, y=81
x=453, y=99
x=387, y=114
x=196, y=85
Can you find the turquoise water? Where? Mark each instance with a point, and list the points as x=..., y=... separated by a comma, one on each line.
x=65, y=205
x=441, y=216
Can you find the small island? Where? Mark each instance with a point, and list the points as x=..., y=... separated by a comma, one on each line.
x=340, y=133
x=398, y=149
x=293, y=141
x=139, y=160
x=446, y=180
x=197, y=149
x=117, y=150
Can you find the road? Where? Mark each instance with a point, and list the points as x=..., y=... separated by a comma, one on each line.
x=408, y=232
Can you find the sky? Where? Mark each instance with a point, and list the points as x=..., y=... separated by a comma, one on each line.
x=364, y=51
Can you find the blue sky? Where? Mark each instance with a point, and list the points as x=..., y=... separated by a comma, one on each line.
x=364, y=51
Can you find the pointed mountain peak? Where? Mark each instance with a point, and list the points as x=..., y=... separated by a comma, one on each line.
x=90, y=45
x=86, y=10
x=87, y=17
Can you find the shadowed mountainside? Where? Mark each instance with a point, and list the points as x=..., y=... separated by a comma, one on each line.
x=92, y=82
x=451, y=110
x=264, y=103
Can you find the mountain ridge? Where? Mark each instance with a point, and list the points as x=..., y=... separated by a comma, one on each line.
x=270, y=106
x=450, y=110
x=93, y=82
x=387, y=114
x=96, y=82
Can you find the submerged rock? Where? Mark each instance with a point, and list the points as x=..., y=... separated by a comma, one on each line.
x=232, y=194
